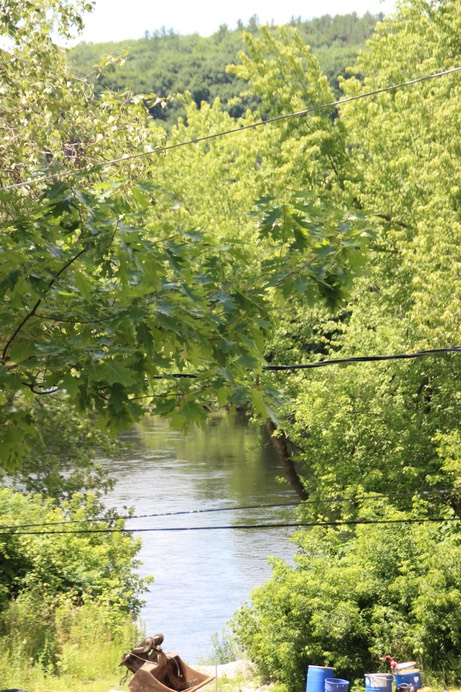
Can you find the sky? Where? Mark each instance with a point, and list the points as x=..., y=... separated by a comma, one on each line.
x=116, y=20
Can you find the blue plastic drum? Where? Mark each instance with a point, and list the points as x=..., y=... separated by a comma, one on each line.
x=378, y=682
x=316, y=676
x=412, y=677
x=336, y=685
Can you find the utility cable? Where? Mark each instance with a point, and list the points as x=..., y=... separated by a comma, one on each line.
x=205, y=138
x=328, y=500
x=363, y=359
x=177, y=529
x=151, y=516
x=324, y=363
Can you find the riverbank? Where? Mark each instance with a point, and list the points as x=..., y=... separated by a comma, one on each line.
x=240, y=674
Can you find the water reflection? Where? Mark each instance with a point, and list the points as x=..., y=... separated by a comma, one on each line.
x=201, y=576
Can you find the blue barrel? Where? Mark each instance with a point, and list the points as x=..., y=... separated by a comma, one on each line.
x=336, y=685
x=378, y=682
x=316, y=676
x=410, y=676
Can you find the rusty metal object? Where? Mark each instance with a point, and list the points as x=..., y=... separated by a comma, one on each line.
x=148, y=650
x=156, y=671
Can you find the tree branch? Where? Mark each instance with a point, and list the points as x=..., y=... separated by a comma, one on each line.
x=32, y=312
x=41, y=392
x=54, y=318
x=280, y=443
x=389, y=219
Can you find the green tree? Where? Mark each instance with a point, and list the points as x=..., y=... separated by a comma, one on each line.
x=109, y=295
x=387, y=420
x=77, y=566
x=353, y=597
x=63, y=459
x=169, y=65
x=48, y=569
x=389, y=428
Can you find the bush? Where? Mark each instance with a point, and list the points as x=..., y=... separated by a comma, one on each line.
x=224, y=648
x=75, y=646
x=64, y=594
x=352, y=598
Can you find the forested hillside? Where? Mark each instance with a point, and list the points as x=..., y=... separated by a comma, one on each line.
x=167, y=64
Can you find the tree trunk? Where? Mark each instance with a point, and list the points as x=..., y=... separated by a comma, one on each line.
x=281, y=445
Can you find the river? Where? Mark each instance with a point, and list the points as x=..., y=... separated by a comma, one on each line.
x=201, y=575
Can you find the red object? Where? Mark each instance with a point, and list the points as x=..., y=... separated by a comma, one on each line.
x=392, y=663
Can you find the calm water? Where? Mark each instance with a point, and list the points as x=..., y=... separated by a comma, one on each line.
x=201, y=576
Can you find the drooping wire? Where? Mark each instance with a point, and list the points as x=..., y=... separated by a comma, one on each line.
x=181, y=529
x=363, y=359
x=329, y=500
x=334, y=361
x=205, y=138
x=152, y=516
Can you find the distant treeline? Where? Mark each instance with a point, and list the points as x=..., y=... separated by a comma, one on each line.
x=165, y=63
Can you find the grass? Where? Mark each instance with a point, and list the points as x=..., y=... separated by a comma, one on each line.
x=35, y=678
x=79, y=649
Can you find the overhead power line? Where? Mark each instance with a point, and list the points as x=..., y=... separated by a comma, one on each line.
x=303, y=503
x=182, y=529
x=128, y=517
x=364, y=359
x=334, y=361
x=205, y=138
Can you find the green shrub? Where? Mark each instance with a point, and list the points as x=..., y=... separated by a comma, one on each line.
x=68, y=601
x=72, y=647
x=351, y=598
x=224, y=648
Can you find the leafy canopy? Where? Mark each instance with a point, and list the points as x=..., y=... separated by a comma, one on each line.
x=356, y=594
x=110, y=296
